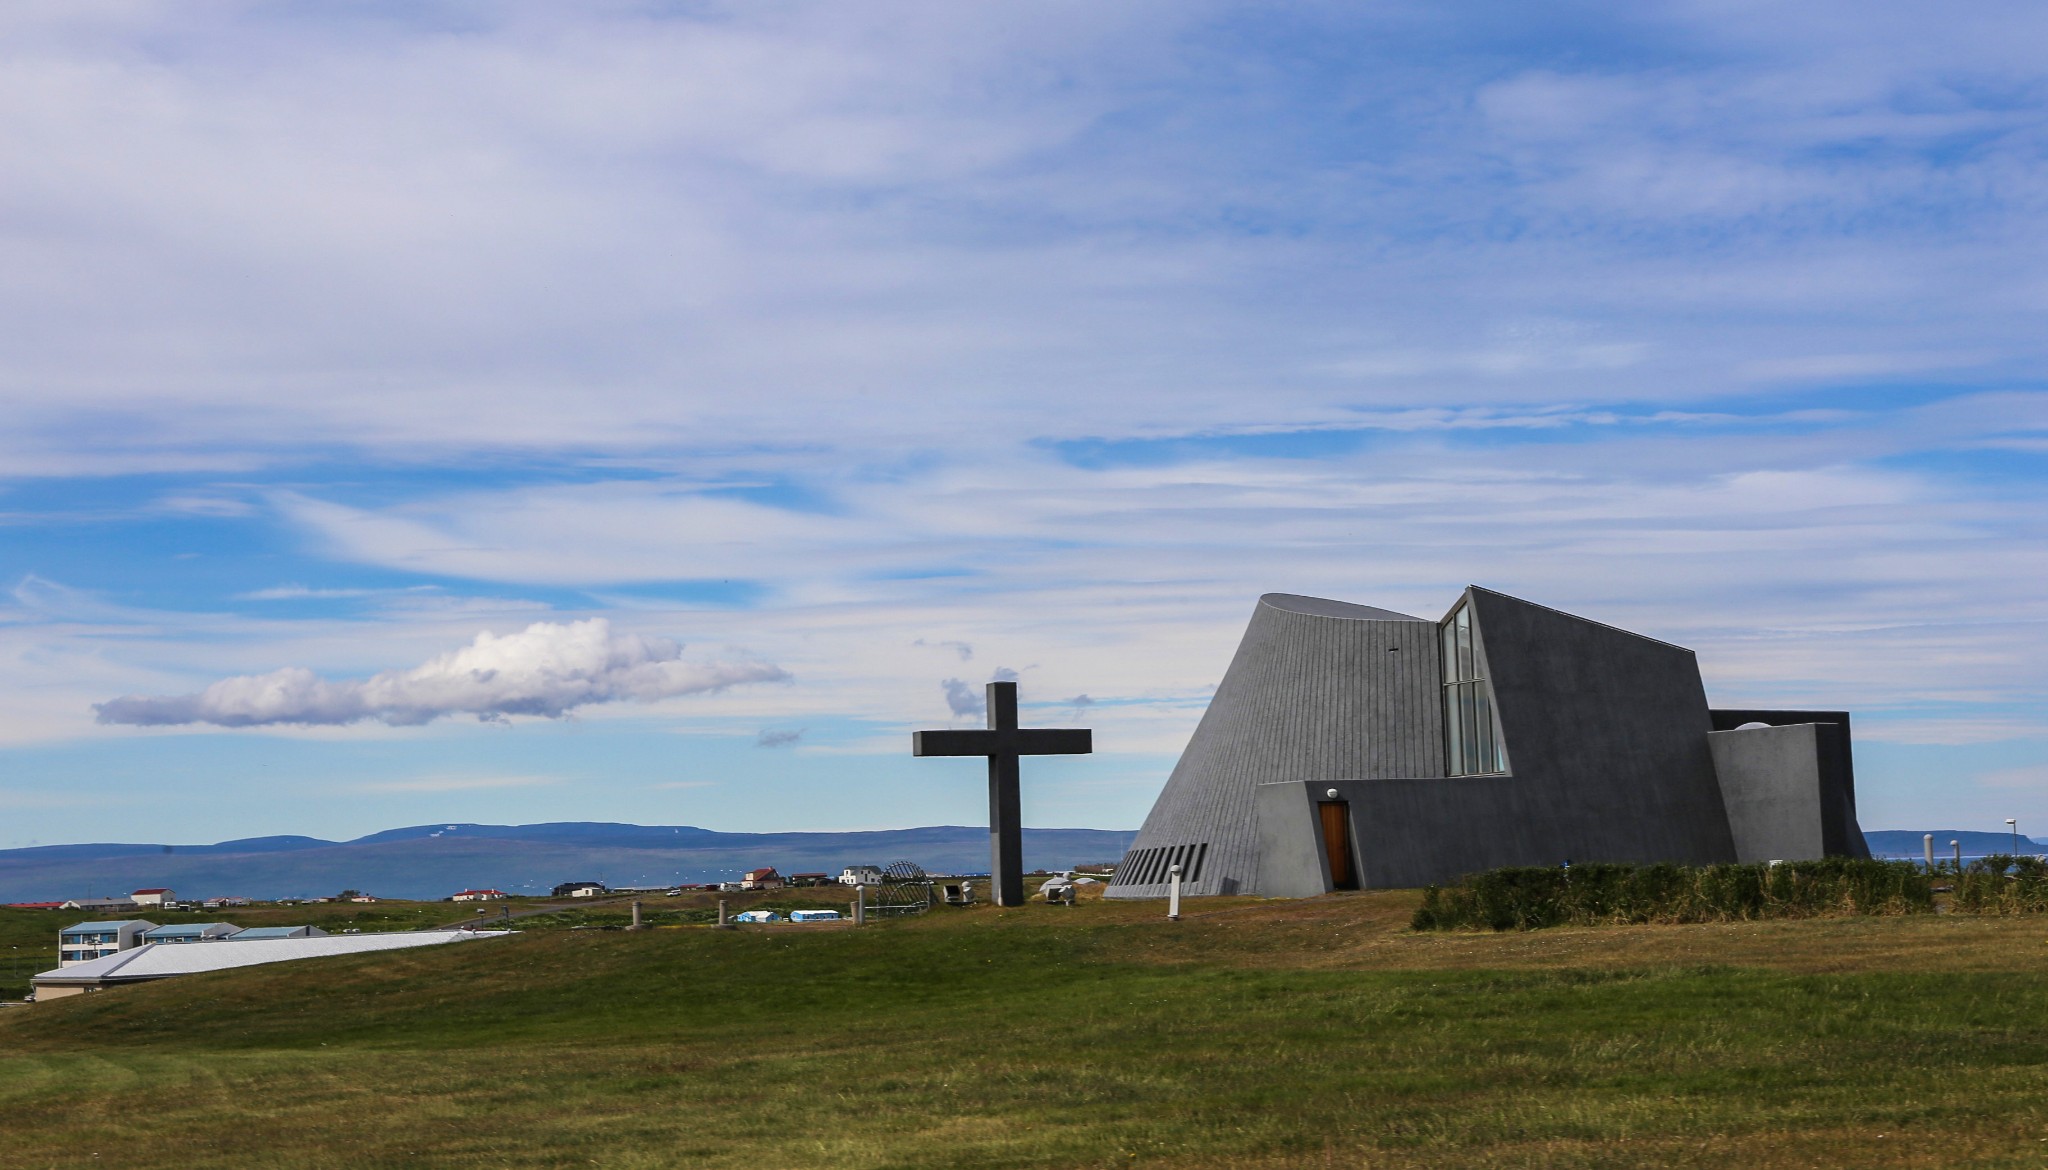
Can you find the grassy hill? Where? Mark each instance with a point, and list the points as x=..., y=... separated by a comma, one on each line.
x=1251, y=1034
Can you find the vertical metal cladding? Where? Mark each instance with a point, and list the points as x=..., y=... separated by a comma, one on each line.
x=1318, y=690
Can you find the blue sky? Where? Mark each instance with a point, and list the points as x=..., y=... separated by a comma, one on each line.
x=791, y=362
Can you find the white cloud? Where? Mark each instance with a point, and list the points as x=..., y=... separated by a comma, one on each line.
x=549, y=669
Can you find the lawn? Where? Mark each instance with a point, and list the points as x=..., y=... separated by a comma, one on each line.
x=1251, y=1034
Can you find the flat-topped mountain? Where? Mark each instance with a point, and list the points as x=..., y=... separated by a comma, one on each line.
x=433, y=861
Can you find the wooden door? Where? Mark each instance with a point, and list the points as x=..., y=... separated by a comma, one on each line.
x=1336, y=817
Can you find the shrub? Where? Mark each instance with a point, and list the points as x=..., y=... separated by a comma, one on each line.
x=1589, y=895
x=2002, y=884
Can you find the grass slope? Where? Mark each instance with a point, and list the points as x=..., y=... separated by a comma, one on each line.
x=1249, y=1035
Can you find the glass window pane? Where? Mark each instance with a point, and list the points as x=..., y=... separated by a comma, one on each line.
x=1484, y=715
x=1471, y=728
x=1454, y=746
x=1465, y=644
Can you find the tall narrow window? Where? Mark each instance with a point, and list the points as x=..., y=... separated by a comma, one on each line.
x=1470, y=746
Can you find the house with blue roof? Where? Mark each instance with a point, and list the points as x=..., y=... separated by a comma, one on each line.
x=191, y=932
x=254, y=933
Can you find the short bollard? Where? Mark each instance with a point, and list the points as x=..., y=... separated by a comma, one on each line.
x=722, y=923
x=1173, y=896
x=636, y=915
x=860, y=905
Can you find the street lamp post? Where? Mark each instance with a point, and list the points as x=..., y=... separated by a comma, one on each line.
x=2014, y=825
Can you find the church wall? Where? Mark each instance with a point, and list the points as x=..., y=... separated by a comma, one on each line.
x=1606, y=735
x=1308, y=695
x=1841, y=833
x=1771, y=785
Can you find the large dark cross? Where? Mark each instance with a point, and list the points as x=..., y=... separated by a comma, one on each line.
x=1002, y=743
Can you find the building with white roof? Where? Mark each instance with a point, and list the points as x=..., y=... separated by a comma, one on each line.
x=162, y=961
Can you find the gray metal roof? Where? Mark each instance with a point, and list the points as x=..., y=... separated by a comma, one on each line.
x=1324, y=607
x=160, y=961
x=144, y=923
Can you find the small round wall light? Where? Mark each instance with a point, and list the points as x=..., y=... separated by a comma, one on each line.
x=1333, y=794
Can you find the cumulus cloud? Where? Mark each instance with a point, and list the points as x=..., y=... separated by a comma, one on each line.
x=548, y=669
x=962, y=698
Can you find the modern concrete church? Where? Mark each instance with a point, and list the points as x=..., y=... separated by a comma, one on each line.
x=1353, y=747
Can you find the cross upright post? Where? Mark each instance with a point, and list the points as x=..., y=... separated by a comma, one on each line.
x=1003, y=743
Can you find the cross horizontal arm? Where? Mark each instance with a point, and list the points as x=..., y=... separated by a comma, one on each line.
x=1055, y=741
x=952, y=743
x=1029, y=741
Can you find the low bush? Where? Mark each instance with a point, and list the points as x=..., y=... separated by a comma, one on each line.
x=2002, y=884
x=1590, y=895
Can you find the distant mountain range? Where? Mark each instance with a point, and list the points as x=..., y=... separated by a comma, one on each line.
x=1909, y=844
x=433, y=861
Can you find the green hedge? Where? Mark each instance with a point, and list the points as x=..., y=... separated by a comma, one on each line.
x=1588, y=895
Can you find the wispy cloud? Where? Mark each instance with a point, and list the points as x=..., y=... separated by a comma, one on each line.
x=295, y=592
x=965, y=651
x=456, y=783
x=548, y=669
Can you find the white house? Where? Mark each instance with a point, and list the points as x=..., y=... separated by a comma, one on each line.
x=764, y=878
x=861, y=875
x=478, y=896
x=153, y=897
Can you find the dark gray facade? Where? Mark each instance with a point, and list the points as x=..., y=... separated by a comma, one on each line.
x=1332, y=753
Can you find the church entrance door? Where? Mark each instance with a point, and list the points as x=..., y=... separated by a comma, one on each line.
x=1336, y=818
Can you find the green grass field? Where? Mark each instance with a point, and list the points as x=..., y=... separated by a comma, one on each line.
x=1285, y=1034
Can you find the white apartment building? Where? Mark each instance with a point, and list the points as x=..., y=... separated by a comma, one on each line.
x=95, y=940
